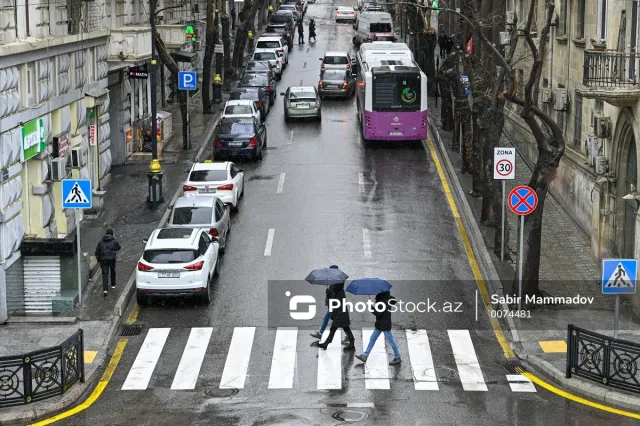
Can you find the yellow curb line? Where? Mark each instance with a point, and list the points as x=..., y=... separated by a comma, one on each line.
x=133, y=316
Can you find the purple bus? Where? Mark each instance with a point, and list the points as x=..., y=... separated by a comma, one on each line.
x=391, y=93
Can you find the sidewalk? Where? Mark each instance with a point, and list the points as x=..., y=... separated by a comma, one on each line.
x=567, y=268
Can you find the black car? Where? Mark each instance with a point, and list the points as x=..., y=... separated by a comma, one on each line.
x=260, y=81
x=283, y=30
x=283, y=18
x=260, y=67
x=240, y=137
x=258, y=95
x=336, y=83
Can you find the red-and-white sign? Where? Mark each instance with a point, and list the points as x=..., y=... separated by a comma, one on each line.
x=92, y=134
x=504, y=163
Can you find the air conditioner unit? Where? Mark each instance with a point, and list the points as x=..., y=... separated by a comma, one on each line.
x=511, y=17
x=59, y=169
x=546, y=95
x=78, y=157
x=560, y=100
x=505, y=38
x=602, y=126
x=602, y=164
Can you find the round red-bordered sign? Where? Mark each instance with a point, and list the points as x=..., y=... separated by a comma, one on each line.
x=507, y=162
x=522, y=200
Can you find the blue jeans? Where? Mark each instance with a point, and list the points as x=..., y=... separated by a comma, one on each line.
x=325, y=321
x=388, y=336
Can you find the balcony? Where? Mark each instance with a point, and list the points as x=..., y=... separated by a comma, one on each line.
x=611, y=76
x=128, y=46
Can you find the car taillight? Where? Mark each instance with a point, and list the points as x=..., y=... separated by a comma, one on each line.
x=187, y=188
x=213, y=232
x=254, y=142
x=269, y=89
x=218, y=143
x=348, y=66
x=195, y=266
x=258, y=104
x=345, y=85
x=143, y=267
x=227, y=187
x=320, y=84
x=323, y=65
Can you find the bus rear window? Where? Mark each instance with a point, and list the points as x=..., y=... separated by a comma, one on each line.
x=396, y=91
x=380, y=27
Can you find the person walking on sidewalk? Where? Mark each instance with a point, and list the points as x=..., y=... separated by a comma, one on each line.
x=312, y=30
x=383, y=325
x=106, y=253
x=339, y=319
x=300, y=32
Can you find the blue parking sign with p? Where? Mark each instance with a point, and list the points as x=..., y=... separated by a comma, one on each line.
x=187, y=80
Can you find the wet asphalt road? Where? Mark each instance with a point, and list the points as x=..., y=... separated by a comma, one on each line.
x=318, y=214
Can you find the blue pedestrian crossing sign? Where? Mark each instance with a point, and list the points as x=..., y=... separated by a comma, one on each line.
x=619, y=276
x=76, y=194
x=187, y=80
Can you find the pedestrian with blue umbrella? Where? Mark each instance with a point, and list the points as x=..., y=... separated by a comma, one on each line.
x=326, y=276
x=383, y=302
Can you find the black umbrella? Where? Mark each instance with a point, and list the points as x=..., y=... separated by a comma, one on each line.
x=326, y=276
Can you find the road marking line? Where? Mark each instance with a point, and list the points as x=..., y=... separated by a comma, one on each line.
x=424, y=371
x=466, y=360
x=192, y=358
x=376, y=370
x=330, y=363
x=267, y=249
x=486, y=300
x=102, y=384
x=578, y=399
x=361, y=405
x=133, y=316
x=90, y=356
x=366, y=242
x=283, y=363
x=281, y=183
x=237, y=364
x=145, y=363
x=519, y=383
x=553, y=346
x=290, y=140
x=361, y=182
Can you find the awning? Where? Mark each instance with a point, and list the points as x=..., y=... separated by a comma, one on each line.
x=183, y=56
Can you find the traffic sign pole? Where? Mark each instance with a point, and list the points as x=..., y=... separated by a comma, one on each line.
x=504, y=160
x=615, y=323
x=79, y=254
x=504, y=212
x=619, y=276
x=520, y=261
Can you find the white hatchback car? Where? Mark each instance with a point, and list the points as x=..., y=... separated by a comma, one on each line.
x=241, y=108
x=345, y=13
x=177, y=262
x=225, y=180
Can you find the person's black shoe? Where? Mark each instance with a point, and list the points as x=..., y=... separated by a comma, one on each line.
x=323, y=346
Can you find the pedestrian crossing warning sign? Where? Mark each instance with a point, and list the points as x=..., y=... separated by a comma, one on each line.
x=76, y=194
x=619, y=276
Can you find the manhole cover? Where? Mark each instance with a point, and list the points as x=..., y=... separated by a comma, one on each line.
x=131, y=330
x=220, y=393
x=349, y=416
x=261, y=177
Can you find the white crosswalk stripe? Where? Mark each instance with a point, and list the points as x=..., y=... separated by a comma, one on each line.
x=289, y=359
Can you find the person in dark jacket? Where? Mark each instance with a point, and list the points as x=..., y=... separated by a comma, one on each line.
x=312, y=30
x=339, y=319
x=327, y=315
x=383, y=325
x=300, y=32
x=441, y=39
x=106, y=253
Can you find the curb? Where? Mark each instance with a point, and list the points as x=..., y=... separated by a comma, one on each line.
x=578, y=386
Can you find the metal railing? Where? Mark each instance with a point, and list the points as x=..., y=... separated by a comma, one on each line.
x=603, y=359
x=607, y=68
x=41, y=374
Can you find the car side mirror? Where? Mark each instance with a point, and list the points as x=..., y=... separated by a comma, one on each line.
x=281, y=93
x=322, y=59
x=240, y=170
x=145, y=240
x=214, y=240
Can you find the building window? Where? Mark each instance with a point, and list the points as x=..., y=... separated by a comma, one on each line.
x=580, y=19
x=577, y=123
x=602, y=20
x=563, y=18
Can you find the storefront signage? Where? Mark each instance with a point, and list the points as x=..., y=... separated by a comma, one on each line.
x=138, y=73
x=34, y=139
x=190, y=33
x=92, y=134
x=60, y=145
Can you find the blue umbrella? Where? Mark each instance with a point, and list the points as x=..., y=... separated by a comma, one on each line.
x=368, y=286
x=326, y=276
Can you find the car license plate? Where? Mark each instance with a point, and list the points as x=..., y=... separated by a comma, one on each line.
x=207, y=191
x=395, y=133
x=302, y=106
x=332, y=86
x=235, y=144
x=168, y=274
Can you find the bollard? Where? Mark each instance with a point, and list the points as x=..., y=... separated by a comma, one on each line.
x=155, y=175
x=250, y=35
x=217, y=89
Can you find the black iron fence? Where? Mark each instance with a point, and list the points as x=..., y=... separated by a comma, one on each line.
x=607, y=68
x=41, y=374
x=603, y=359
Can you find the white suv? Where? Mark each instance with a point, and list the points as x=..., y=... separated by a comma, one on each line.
x=268, y=42
x=177, y=262
x=271, y=56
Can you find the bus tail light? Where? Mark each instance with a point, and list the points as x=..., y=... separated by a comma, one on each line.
x=368, y=121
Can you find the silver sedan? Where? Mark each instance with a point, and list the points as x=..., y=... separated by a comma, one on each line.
x=302, y=102
x=336, y=83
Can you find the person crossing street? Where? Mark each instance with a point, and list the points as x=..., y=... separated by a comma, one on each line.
x=312, y=30
x=340, y=319
x=300, y=32
x=383, y=326
x=106, y=254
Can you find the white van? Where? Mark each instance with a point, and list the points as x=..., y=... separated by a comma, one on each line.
x=371, y=23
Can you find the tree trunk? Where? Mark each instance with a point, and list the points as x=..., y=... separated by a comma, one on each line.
x=208, y=56
x=429, y=43
x=477, y=145
x=226, y=41
x=467, y=137
x=446, y=105
x=242, y=33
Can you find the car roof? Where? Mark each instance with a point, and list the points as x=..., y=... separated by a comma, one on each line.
x=263, y=50
x=272, y=35
x=239, y=102
x=297, y=89
x=173, y=238
x=336, y=53
x=345, y=7
x=271, y=38
x=276, y=25
x=195, y=201
x=219, y=165
x=283, y=12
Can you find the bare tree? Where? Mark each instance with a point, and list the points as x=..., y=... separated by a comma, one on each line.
x=249, y=10
x=211, y=40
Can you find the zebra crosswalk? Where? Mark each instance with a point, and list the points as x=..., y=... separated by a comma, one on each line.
x=288, y=359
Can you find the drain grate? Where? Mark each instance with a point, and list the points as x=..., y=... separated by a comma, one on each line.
x=514, y=367
x=131, y=330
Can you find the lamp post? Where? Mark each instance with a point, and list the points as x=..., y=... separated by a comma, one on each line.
x=155, y=169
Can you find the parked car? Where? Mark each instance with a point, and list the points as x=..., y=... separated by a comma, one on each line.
x=202, y=212
x=271, y=56
x=336, y=83
x=337, y=60
x=177, y=262
x=302, y=102
x=260, y=81
x=240, y=137
x=280, y=46
x=284, y=17
x=283, y=38
x=258, y=95
x=282, y=29
x=260, y=67
x=297, y=14
x=345, y=13
x=223, y=179
x=240, y=108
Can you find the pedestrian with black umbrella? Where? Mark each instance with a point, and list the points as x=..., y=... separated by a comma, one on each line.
x=339, y=318
x=328, y=277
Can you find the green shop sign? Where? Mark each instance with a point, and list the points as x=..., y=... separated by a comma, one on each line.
x=34, y=139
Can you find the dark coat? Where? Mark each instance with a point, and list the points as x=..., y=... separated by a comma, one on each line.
x=107, y=248
x=300, y=28
x=339, y=317
x=383, y=318
x=327, y=296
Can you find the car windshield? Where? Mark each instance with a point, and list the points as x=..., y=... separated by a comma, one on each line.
x=280, y=19
x=208, y=175
x=236, y=127
x=302, y=95
x=379, y=27
x=169, y=256
x=334, y=75
x=192, y=215
x=255, y=66
x=252, y=95
x=264, y=56
x=237, y=109
x=336, y=60
x=268, y=45
x=255, y=80
x=279, y=30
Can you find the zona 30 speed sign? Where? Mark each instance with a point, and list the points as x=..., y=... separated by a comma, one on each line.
x=504, y=163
